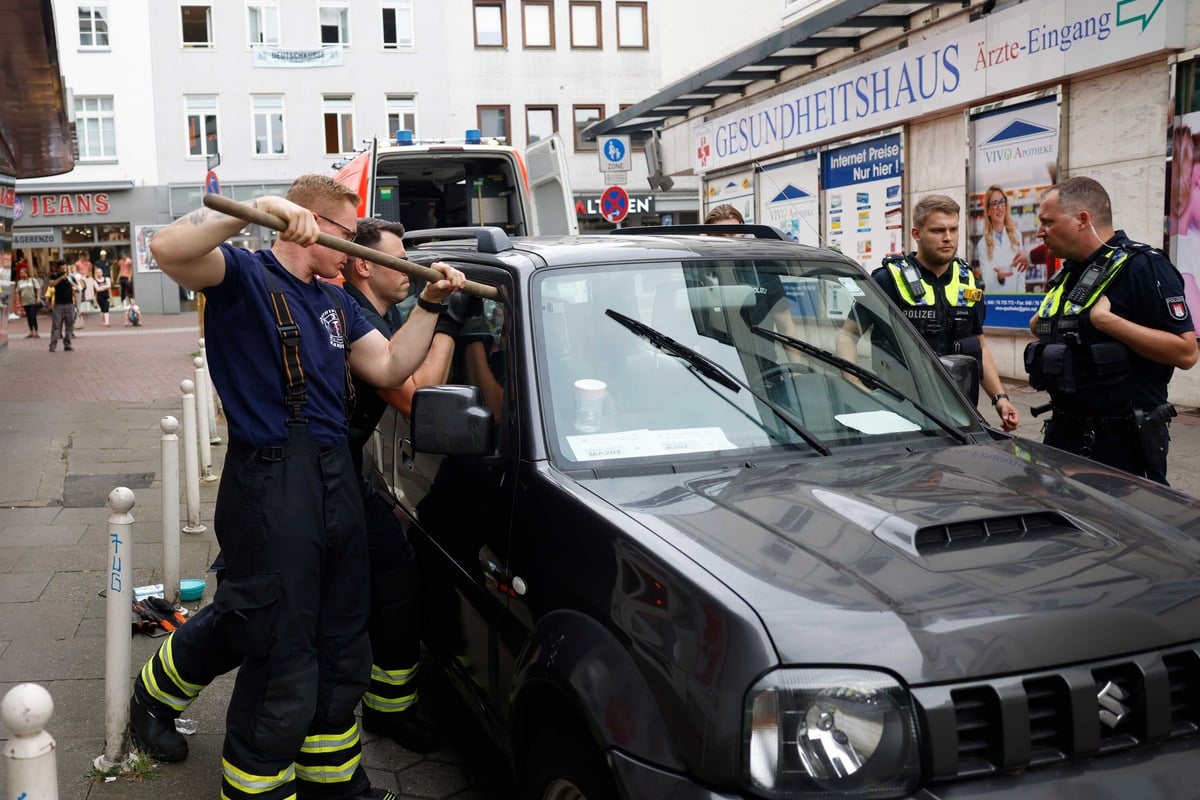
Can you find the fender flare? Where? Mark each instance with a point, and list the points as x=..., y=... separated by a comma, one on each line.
x=584, y=664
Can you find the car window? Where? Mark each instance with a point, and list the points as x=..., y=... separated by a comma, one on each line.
x=610, y=394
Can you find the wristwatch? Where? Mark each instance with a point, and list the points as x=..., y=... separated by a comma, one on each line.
x=998, y=398
x=431, y=307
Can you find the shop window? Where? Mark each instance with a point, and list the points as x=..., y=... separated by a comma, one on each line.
x=493, y=121
x=397, y=24
x=93, y=26
x=401, y=114
x=95, y=128
x=202, y=125
x=335, y=23
x=585, y=116
x=489, y=24
x=338, y=111
x=263, y=22
x=197, y=26
x=268, y=124
x=631, y=26
x=540, y=122
x=537, y=24
x=585, y=26
x=78, y=234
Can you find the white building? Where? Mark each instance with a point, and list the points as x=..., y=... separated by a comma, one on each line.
x=277, y=88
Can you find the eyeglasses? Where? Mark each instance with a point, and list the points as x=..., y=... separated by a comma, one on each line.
x=1003, y=201
x=350, y=233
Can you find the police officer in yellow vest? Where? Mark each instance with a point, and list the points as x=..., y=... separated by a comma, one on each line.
x=1111, y=329
x=939, y=295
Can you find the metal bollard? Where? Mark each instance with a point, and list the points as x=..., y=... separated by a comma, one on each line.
x=206, y=473
x=191, y=459
x=170, y=508
x=118, y=606
x=214, y=402
x=29, y=754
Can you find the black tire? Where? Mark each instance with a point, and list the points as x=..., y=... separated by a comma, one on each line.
x=564, y=764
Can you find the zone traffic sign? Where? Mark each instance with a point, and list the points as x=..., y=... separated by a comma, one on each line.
x=614, y=204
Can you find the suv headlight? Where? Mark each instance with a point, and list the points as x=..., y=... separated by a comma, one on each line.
x=829, y=732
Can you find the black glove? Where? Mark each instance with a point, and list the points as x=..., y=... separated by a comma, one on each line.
x=462, y=306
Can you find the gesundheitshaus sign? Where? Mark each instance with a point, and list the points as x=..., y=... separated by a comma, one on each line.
x=1006, y=51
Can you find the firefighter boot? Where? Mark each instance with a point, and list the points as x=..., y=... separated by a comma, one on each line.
x=152, y=726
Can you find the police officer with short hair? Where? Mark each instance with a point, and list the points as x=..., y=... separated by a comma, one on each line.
x=1111, y=329
x=940, y=296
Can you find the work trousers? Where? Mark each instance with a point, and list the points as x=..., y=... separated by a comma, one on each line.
x=293, y=604
x=63, y=320
x=196, y=654
x=1115, y=446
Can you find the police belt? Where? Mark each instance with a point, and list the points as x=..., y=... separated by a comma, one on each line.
x=1102, y=424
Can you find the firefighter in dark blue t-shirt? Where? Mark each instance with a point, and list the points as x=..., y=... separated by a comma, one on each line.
x=1111, y=329
x=293, y=601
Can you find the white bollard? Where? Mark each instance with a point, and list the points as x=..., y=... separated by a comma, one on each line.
x=214, y=402
x=118, y=607
x=170, y=508
x=206, y=471
x=191, y=459
x=29, y=755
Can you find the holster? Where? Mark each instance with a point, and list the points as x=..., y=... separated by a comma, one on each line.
x=1146, y=426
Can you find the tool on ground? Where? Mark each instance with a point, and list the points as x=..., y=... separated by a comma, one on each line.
x=243, y=212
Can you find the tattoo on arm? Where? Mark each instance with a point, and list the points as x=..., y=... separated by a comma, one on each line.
x=199, y=216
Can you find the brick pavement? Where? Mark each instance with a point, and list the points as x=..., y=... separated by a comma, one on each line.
x=72, y=425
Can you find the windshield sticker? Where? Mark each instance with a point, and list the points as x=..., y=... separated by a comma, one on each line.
x=645, y=443
x=874, y=422
x=851, y=286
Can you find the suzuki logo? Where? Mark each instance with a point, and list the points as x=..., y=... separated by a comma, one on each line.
x=1112, y=709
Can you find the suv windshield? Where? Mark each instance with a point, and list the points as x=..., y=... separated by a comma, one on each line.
x=616, y=391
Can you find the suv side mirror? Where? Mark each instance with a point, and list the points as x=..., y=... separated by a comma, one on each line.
x=964, y=371
x=452, y=421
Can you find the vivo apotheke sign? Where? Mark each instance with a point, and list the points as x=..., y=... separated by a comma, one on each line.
x=1006, y=51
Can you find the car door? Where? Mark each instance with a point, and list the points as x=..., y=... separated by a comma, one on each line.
x=461, y=506
x=550, y=187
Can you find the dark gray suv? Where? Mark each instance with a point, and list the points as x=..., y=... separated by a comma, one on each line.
x=675, y=546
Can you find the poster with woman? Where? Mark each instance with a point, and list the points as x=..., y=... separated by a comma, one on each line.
x=1015, y=159
x=1185, y=206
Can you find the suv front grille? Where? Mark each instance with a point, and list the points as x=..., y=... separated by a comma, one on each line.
x=1034, y=720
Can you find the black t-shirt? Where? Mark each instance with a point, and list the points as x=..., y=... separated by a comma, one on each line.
x=64, y=291
x=1147, y=291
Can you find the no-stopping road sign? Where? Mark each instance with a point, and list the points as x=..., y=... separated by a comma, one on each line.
x=614, y=204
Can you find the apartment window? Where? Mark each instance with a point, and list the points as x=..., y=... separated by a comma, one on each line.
x=339, y=124
x=585, y=25
x=397, y=24
x=202, y=125
x=335, y=23
x=93, y=26
x=537, y=24
x=493, y=121
x=95, y=128
x=631, y=26
x=401, y=114
x=263, y=20
x=489, y=24
x=584, y=116
x=540, y=122
x=197, y=25
x=268, y=124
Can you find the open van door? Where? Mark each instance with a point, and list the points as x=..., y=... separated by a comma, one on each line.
x=550, y=187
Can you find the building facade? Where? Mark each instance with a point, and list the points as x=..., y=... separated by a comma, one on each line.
x=259, y=91
x=835, y=125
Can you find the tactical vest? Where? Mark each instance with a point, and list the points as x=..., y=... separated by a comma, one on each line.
x=942, y=318
x=1070, y=355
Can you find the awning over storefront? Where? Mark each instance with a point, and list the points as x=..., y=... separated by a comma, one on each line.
x=842, y=25
x=35, y=135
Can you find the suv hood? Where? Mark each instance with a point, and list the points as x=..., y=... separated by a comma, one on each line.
x=944, y=565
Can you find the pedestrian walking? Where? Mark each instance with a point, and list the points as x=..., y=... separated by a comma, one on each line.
x=29, y=293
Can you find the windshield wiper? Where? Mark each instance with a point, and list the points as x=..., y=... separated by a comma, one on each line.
x=863, y=374
x=710, y=369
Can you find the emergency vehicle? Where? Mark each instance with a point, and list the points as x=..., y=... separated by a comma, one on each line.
x=441, y=183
